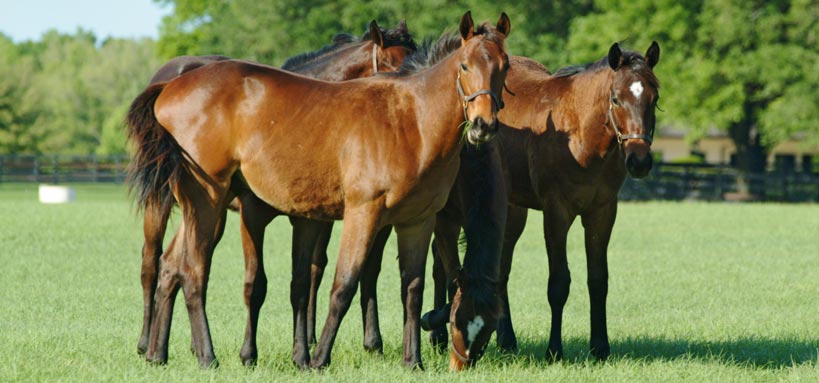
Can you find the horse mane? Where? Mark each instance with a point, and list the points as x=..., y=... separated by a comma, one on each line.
x=631, y=59
x=392, y=37
x=431, y=51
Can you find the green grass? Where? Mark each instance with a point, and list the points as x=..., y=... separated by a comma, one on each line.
x=698, y=292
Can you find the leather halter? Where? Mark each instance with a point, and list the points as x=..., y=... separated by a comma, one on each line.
x=465, y=100
x=375, y=61
x=464, y=359
x=624, y=137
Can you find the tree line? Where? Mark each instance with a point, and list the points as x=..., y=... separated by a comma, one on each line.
x=748, y=68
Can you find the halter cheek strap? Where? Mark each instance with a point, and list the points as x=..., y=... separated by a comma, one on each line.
x=623, y=137
x=458, y=355
x=375, y=61
x=465, y=100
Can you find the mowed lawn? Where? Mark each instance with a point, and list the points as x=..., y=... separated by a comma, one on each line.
x=698, y=292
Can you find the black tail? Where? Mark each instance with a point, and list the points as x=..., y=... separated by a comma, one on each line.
x=158, y=162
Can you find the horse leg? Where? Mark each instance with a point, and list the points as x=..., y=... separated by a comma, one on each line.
x=556, y=223
x=369, y=296
x=445, y=264
x=597, y=228
x=154, y=226
x=255, y=216
x=306, y=234
x=318, y=263
x=166, y=289
x=516, y=221
x=413, y=245
x=359, y=230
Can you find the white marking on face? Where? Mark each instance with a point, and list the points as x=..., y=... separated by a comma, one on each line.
x=473, y=327
x=636, y=89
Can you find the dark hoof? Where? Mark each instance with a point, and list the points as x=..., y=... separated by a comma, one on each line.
x=414, y=365
x=209, y=363
x=601, y=353
x=507, y=343
x=374, y=347
x=249, y=356
x=250, y=361
x=302, y=363
x=142, y=347
x=439, y=338
x=154, y=361
x=554, y=354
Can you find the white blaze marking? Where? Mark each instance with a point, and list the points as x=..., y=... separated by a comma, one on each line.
x=636, y=89
x=473, y=328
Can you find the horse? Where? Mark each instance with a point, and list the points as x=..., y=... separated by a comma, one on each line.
x=383, y=151
x=378, y=50
x=567, y=142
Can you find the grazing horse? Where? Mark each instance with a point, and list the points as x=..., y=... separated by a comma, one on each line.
x=373, y=151
x=379, y=50
x=568, y=140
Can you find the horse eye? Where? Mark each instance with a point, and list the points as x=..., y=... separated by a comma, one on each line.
x=463, y=66
x=615, y=101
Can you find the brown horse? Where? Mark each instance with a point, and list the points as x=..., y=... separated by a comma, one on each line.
x=567, y=142
x=378, y=50
x=372, y=151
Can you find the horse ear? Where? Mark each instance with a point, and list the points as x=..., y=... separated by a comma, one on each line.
x=615, y=56
x=375, y=34
x=653, y=54
x=504, y=25
x=402, y=27
x=467, y=26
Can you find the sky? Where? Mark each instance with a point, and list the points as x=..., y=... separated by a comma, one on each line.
x=28, y=19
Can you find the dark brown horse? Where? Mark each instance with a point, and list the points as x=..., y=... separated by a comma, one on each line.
x=568, y=140
x=373, y=151
x=379, y=50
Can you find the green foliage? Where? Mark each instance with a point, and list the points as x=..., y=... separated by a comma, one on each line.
x=698, y=293
x=744, y=67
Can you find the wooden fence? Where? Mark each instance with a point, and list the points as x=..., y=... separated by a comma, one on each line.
x=666, y=182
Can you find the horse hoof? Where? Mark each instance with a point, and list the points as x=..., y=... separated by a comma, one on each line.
x=554, y=355
x=142, y=348
x=248, y=357
x=374, y=347
x=439, y=338
x=209, y=363
x=601, y=353
x=249, y=362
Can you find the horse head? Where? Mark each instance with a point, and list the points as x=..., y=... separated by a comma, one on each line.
x=390, y=47
x=482, y=67
x=632, y=100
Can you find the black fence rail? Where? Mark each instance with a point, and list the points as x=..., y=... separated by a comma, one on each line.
x=667, y=181
x=63, y=168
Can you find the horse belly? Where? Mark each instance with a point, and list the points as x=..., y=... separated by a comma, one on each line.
x=293, y=190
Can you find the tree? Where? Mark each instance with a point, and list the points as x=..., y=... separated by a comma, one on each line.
x=742, y=67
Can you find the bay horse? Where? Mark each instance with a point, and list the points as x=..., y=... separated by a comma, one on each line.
x=567, y=142
x=348, y=57
x=383, y=150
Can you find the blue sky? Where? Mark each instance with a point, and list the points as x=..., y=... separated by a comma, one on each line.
x=29, y=19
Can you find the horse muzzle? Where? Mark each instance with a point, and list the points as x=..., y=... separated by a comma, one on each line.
x=481, y=131
x=639, y=166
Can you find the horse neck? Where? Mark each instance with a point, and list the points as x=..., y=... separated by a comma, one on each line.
x=438, y=108
x=343, y=64
x=589, y=99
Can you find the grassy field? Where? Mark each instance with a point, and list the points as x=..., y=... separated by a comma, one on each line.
x=698, y=292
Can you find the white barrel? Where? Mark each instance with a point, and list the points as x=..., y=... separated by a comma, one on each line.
x=57, y=194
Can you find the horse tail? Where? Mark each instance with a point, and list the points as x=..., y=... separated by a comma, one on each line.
x=158, y=162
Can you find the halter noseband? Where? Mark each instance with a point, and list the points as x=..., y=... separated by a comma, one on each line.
x=620, y=136
x=463, y=359
x=465, y=100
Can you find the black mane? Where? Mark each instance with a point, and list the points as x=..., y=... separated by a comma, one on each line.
x=633, y=60
x=392, y=37
x=431, y=52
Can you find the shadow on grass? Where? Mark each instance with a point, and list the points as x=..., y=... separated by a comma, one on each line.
x=755, y=351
